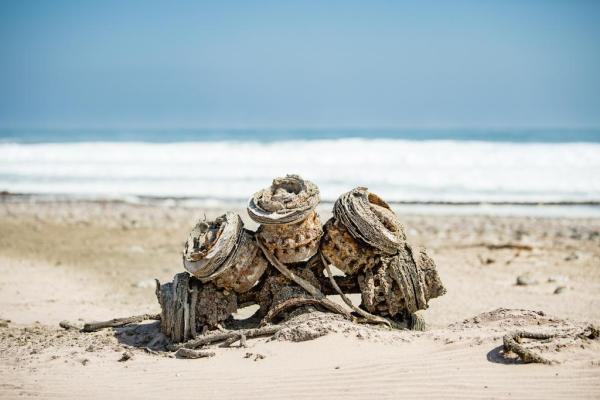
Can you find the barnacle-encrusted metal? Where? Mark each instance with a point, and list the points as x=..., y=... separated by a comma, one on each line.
x=369, y=219
x=290, y=228
x=344, y=251
x=288, y=199
x=366, y=239
x=223, y=252
x=363, y=227
x=404, y=283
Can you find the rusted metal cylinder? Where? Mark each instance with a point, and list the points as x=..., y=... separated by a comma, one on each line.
x=223, y=252
x=365, y=239
x=290, y=228
x=400, y=284
x=363, y=227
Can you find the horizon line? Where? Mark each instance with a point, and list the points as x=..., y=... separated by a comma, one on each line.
x=306, y=127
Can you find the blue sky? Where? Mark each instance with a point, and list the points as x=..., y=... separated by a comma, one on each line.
x=299, y=64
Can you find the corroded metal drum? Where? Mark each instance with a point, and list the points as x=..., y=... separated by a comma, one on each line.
x=290, y=228
x=362, y=228
x=402, y=283
x=365, y=239
x=223, y=252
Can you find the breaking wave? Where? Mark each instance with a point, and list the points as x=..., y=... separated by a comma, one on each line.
x=398, y=170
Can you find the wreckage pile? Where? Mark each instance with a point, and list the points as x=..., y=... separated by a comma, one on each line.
x=285, y=265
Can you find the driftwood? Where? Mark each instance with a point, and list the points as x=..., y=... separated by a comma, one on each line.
x=498, y=246
x=68, y=325
x=299, y=302
x=116, y=322
x=241, y=337
x=173, y=299
x=348, y=285
x=221, y=336
x=188, y=306
x=312, y=290
x=512, y=343
x=502, y=246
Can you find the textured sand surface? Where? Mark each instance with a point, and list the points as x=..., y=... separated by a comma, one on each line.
x=91, y=261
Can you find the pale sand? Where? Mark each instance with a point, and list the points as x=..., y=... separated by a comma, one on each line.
x=86, y=260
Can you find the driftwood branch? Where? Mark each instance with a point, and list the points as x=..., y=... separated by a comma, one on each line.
x=302, y=301
x=348, y=285
x=116, y=322
x=232, y=340
x=289, y=274
x=68, y=325
x=499, y=246
x=221, y=336
x=516, y=246
x=512, y=343
x=367, y=316
x=312, y=290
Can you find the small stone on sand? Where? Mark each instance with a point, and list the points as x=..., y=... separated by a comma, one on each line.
x=560, y=289
x=128, y=355
x=526, y=280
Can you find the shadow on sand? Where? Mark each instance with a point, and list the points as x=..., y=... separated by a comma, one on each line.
x=496, y=355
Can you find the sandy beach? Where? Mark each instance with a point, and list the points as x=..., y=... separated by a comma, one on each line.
x=82, y=261
x=299, y=200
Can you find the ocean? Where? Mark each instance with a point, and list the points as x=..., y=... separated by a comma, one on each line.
x=402, y=166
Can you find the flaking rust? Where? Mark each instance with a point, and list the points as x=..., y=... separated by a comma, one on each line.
x=230, y=265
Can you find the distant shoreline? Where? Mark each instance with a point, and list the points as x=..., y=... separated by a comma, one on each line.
x=4, y=195
x=564, y=209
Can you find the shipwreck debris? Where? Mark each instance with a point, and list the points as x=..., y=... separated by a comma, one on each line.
x=290, y=228
x=286, y=264
x=366, y=239
x=116, y=322
x=285, y=268
x=224, y=252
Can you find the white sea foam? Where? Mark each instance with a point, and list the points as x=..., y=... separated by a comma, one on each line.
x=399, y=170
